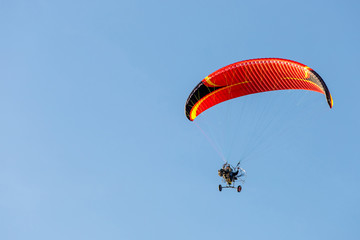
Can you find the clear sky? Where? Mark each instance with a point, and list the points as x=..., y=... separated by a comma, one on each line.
x=94, y=142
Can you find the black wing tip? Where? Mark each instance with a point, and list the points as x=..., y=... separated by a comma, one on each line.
x=326, y=89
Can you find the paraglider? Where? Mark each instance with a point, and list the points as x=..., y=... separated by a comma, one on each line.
x=250, y=77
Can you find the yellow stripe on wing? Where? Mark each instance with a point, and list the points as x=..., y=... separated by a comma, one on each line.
x=210, y=83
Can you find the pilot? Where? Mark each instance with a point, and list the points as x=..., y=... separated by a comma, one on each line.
x=228, y=170
x=228, y=174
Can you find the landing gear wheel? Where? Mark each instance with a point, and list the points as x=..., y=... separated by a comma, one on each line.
x=220, y=188
x=239, y=188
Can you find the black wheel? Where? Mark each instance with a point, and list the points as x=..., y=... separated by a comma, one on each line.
x=239, y=188
x=220, y=188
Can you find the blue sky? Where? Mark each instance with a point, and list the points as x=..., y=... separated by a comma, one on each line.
x=95, y=143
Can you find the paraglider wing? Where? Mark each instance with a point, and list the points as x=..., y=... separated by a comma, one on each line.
x=252, y=76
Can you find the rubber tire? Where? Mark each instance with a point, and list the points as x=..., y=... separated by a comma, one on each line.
x=220, y=188
x=239, y=188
